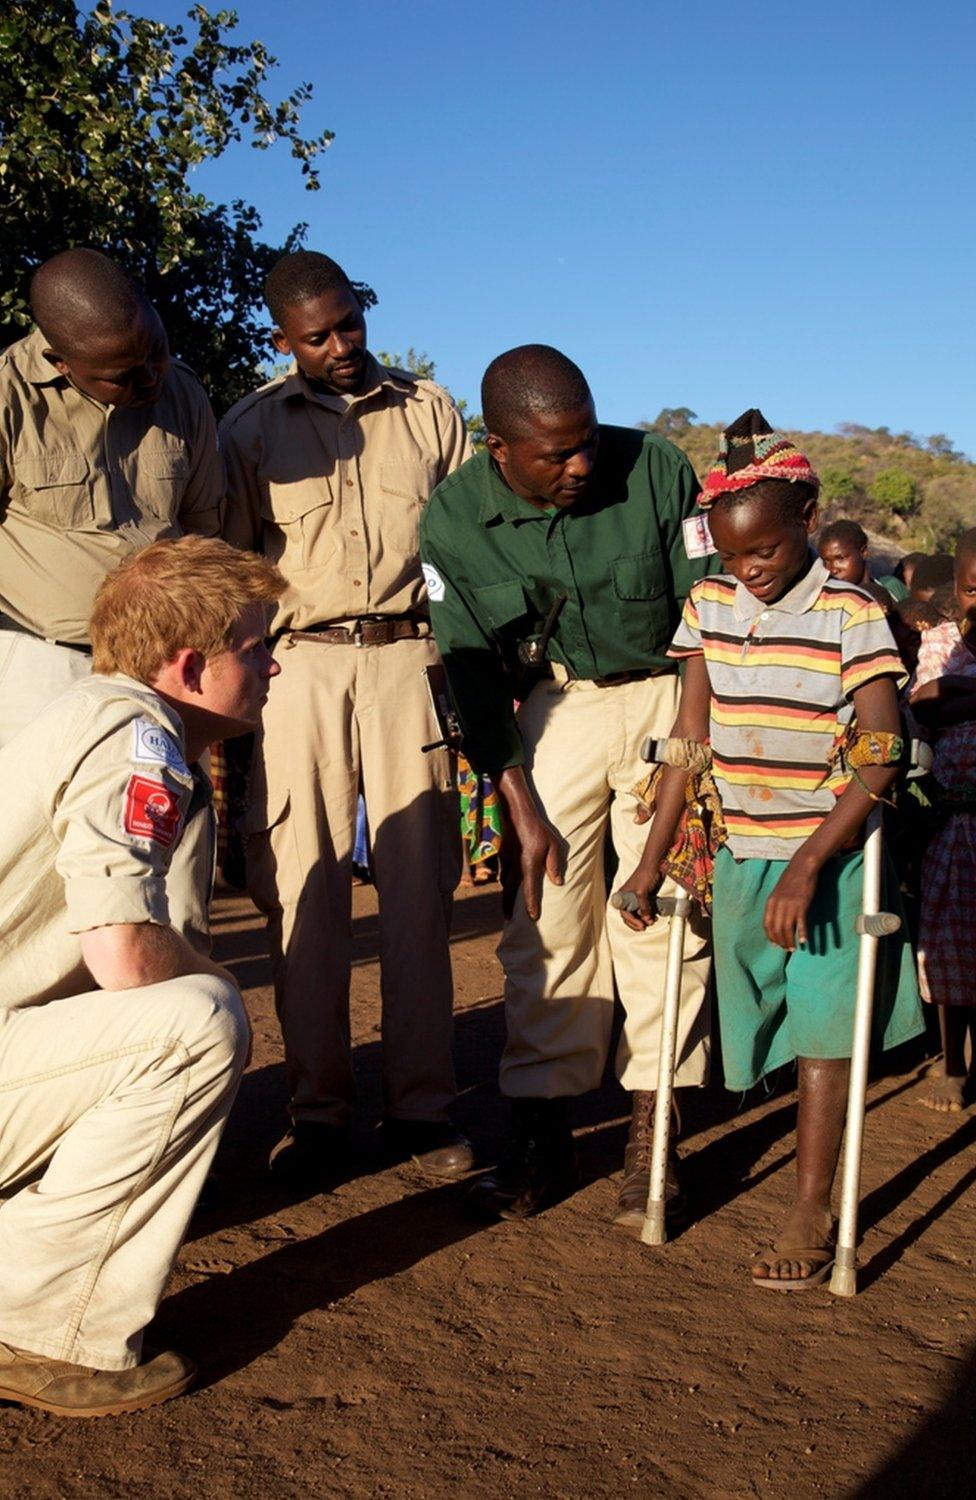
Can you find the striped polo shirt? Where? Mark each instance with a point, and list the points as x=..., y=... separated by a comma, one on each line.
x=782, y=676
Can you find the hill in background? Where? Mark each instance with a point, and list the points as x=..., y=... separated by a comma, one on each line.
x=917, y=492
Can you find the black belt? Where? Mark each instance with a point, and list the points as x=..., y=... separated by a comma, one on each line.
x=6, y=623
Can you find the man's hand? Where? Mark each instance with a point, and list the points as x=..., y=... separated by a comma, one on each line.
x=645, y=887
x=530, y=849
x=785, y=918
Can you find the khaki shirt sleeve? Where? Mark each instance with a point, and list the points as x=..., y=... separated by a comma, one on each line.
x=202, y=500
x=116, y=824
x=242, y=507
x=456, y=444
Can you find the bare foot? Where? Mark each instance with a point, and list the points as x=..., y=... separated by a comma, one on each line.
x=946, y=1095
x=800, y=1256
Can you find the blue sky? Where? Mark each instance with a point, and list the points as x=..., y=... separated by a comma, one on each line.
x=706, y=205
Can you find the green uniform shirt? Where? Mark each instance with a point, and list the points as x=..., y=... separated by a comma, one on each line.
x=494, y=564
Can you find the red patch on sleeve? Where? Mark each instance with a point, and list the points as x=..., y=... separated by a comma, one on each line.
x=151, y=810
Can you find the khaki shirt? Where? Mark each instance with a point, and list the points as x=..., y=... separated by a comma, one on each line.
x=95, y=795
x=331, y=488
x=83, y=485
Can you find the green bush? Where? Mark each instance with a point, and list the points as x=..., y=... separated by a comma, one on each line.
x=895, y=491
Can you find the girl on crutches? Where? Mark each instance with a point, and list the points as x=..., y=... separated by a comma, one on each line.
x=783, y=665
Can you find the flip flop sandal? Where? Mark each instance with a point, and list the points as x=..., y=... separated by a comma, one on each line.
x=821, y=1255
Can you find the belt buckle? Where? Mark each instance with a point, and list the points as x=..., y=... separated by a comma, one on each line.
x=357, y=633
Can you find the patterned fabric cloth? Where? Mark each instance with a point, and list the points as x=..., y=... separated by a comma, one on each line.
x=782, y=675
x=947, y=927
x=690, y=862
x=750, y=452
x=481, y=816
x=944, y=653
x=218, y=777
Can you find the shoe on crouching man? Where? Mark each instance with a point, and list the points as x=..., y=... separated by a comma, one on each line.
x=121, y=1042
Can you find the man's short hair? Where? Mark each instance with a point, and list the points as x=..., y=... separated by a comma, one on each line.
x=80, y=293
x=176, y=594
x=845, y=531
x=531, y=379
x=297, y=278
x=966, y=546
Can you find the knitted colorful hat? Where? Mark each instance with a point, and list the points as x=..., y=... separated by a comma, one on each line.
x=750, y=451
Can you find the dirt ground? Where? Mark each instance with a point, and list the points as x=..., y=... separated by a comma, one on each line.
x=378, y=1341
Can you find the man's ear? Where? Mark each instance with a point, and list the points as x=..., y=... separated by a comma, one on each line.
x=280, y=341
x=190, y=665
x=811, y=515
x=497, y=447
x=57, y=360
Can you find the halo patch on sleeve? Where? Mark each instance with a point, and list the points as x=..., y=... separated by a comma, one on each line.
x=435, y=584
x=155, y=746
x=152, y=811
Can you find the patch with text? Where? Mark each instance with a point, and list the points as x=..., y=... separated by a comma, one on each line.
x=152, y=811
x=154, y=745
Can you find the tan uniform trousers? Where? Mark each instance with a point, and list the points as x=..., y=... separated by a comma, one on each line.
x=32, y=674
x=340, y=716
x=582, y=747
x=111, y=1108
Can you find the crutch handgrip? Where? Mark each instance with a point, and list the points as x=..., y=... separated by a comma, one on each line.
x=628, y=901
x=877, y=924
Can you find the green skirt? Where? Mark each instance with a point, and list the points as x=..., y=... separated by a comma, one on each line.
x=776, y=1006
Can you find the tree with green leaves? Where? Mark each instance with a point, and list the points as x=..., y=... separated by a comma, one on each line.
x=895, y=491
x=102, y=117
x=423, y=365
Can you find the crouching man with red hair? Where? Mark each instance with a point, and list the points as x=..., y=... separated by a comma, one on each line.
x=121, y=1042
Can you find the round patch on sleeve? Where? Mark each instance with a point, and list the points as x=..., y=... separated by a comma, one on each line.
x=435, y=583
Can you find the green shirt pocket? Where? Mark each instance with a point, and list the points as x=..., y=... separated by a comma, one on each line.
x=641, y=596
x=502, y=605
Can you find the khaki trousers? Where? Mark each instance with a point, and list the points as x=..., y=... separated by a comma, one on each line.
x=111, y=1107
x=338, y=717
x=32, y=674
x=582, y=747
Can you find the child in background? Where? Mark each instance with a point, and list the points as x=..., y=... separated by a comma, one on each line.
x=944, y=701
x=931, y=572
x=780, y=662
x=904, y=570
x=843, y=548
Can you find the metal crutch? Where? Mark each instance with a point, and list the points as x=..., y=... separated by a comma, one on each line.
x=871, y=925
x=678, y=908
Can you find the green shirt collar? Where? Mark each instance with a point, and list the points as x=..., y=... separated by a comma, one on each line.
x=498, y=500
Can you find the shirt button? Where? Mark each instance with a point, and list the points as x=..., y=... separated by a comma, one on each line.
x=354, y=532
x=357, y=583
x=348, y=484
x=764, y=615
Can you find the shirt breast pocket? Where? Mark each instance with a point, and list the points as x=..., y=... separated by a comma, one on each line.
x=162, y=479
x=641, y=599
x=405, y=486
x=504, y=606
x=298, y=519
x=54, y=488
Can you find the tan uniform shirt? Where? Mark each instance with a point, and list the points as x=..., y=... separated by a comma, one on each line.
x=83, y=485
x=331, y=488
x=94, y=797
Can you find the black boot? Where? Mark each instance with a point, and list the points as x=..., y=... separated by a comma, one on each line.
x=538, y=1168
x=632, y=1197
